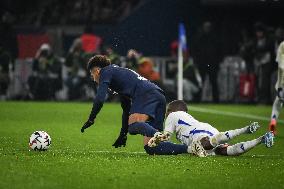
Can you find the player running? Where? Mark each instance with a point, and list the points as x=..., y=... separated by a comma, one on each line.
x=279, y=99
x=143, y=104
x=202, y=138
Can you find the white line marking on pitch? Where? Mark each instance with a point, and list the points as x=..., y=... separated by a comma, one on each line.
x=233, y=114
x=261, y=155
x=117, y=152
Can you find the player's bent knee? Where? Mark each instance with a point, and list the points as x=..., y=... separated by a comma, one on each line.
x=136, y=117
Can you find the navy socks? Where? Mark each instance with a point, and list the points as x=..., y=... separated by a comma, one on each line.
x=141, y=128
x=166, y=148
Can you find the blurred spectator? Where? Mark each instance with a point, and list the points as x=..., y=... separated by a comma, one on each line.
x=47, y=12
x=246, y=50
x=132, y=59
x=113, y=56
x=5, y=60
x=279, y=37
x=46, y=77
x=77, y=74
x=145, y=69
x=90, y=42
x=207, y=55
x=174, y=49
x=192, y=81
x=263, y=52
x=8, y=40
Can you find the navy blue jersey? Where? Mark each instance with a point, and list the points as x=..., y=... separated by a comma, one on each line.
x=123, y=81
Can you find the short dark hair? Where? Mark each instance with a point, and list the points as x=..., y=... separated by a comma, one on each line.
x=177, y=105
x=100, y=61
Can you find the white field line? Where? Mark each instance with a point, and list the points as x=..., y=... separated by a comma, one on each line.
x=125, y=152
x=233, y=114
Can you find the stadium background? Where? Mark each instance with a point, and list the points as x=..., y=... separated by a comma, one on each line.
x=44, y=46
x=150, y=28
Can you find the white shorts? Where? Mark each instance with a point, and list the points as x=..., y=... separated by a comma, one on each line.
x=201, y=130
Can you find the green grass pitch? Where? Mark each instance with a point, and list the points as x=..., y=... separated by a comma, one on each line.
x=88, y=160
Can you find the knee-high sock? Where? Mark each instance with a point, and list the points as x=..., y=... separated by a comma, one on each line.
x=141, y=128
x=223, y=137
x=277, y=105
x=166, y=148
x=242, y=147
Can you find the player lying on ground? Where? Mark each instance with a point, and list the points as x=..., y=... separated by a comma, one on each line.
x=279, y=99
x=143, y=104
x=202, y=138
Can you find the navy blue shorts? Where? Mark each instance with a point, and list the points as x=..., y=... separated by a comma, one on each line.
x=152, y=103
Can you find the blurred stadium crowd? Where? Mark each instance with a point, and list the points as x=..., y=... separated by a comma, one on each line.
x=209, y=74
x=41, y=13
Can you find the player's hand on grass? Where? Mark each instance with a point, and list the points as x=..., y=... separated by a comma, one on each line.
x=86, y=125
x=120, y=141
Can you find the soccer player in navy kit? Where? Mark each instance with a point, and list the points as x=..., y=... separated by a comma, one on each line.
x=143, y=104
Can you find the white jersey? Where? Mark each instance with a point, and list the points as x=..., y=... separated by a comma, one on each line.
x=280, y=60
x=187, y=128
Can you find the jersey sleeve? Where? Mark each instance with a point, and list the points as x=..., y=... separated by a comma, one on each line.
x=170, y=124
x=105, y=79
x=102, y=91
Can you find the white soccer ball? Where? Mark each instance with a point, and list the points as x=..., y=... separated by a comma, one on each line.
x=40, y=140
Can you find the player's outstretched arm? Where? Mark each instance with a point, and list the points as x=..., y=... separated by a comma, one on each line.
x=97, y=105
x=122, y=138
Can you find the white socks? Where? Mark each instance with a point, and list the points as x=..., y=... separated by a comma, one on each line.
x=277, y=105
x=242, y=147
x=223, y=137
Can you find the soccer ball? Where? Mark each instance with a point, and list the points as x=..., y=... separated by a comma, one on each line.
x=40, y=140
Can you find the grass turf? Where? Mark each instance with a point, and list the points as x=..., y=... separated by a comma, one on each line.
x=88, y=160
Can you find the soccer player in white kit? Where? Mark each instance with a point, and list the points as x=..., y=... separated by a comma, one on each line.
x=202, y=138
x=279, y=99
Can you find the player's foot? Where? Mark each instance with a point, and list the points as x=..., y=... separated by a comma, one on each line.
x=253, y=127
x=197, y=149
x=157, y=139
x=272, y=126
x=268, y=139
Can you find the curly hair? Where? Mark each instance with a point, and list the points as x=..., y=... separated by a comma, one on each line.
x=100, y=61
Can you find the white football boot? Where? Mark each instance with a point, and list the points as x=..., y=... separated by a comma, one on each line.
x=268, y=139
x=157, y=139
x=253, y=127
x=197, y=149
